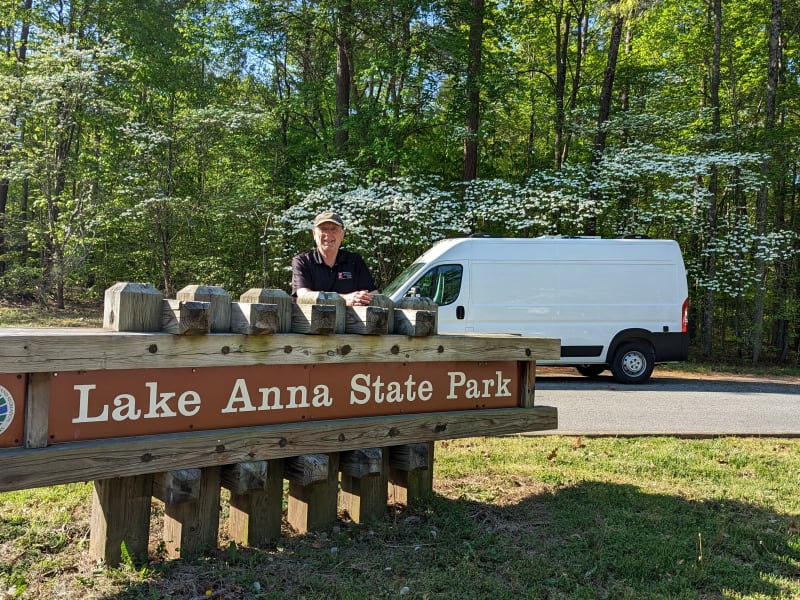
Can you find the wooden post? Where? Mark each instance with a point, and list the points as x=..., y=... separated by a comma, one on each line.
x=313, y=491
x=365, y=474
x=415, y=316
x=132, y=307
x=366, y=320
x=278, y=297
x=177, y=486
x=410, y=473
x=316, y=319
x=120, y=515
x=37, y=410
x=218, y=299
x=256, y=516
x=192, y=527
x=385, y=302
x=527, y=383
x=254, y=319
x=186, y=318
x=327, y=299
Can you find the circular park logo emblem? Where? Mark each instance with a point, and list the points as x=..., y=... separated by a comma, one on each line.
x=6, y=409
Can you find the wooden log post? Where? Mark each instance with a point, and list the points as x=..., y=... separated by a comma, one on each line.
x=365, y=475
x=410, y=473
x=385, y=302
x=186, y=318
x=366, y=320
x=314, y=319
x=254, y=319
x=132, y=307
x=415, y=316
x=120, y=518
x=279, y=298
x=37, y=409
x=191, y=525
x=256, y=514
x=327, y=299
x=313, y=491
x=218, y=299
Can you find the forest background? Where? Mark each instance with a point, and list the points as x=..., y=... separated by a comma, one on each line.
x=179, y=142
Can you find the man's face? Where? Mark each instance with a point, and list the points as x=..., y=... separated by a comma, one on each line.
x=328, y=237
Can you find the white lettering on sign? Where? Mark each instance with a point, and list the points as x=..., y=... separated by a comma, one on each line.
x=478, y=388
x=240, y=400
x=364, y=389
x=126, y=409
x=162, y=401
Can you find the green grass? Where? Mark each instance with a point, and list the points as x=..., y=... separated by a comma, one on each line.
x=517, y=517
x=33, y=315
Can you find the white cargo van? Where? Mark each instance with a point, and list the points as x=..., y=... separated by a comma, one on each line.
x=619, y=304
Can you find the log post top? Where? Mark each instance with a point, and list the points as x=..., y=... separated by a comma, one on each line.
x=201, y=327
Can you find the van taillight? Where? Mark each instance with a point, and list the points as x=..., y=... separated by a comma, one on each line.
x=685, y=316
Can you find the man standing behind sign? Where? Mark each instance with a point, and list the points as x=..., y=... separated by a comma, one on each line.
x=330, y=269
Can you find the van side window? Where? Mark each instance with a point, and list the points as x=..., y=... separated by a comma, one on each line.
x=441, y=283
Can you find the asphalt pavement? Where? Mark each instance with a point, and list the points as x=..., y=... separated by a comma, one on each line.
x=671, y=403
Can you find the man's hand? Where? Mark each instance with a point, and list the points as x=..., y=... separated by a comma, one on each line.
x=359, y=298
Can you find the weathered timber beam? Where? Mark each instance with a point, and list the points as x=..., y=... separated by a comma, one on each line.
x=361, y=462
x=23, y=468
x=366, y=320
x=313, y=319
x=409, y=457
x=180, y=485
x=243, y=478
x=186, y=317
x=254, y=319
x=307, y=469
x=35, y=350
x=219, y=303
x=416, y=323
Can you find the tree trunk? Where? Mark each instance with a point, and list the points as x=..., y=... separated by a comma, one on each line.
x=473, y=91
x=563, y=28
x=577, y=72
x=605, y=109
x=706, y=342
x=770, y=111
x=343, y=75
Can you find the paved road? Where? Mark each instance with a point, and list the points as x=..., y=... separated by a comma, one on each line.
x=671, y=404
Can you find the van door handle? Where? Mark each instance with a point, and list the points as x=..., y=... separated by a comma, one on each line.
x=459, y=312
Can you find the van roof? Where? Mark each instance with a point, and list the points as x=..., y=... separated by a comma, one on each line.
x=563, y=248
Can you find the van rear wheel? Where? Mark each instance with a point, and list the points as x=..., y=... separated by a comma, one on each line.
x=633, y=362
x=590, y=370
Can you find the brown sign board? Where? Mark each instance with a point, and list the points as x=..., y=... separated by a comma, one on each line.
x=12, y=409
x=87, y=405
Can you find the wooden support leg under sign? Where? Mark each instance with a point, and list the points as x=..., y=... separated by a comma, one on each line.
x=120, y=517
x=365, y=474
x=410, y=473
x=256, y=514
x=191, y=526
x=313, y=491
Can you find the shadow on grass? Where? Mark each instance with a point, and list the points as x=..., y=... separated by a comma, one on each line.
x=588, y=540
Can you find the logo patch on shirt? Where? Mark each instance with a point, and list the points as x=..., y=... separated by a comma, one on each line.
x=345, y=275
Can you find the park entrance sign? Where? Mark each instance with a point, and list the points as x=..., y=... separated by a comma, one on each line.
x=106, y=404
x=176, y=399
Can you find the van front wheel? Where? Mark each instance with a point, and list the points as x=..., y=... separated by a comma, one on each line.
x=633, y=362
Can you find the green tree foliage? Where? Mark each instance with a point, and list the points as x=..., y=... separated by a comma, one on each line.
x=192, y=141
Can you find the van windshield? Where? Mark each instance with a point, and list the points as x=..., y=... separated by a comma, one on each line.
x=441, y=283
x=398, y=281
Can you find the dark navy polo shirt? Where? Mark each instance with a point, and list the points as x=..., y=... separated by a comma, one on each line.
x=348, y=274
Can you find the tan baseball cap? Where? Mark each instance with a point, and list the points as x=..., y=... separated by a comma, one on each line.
x=328, y=217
